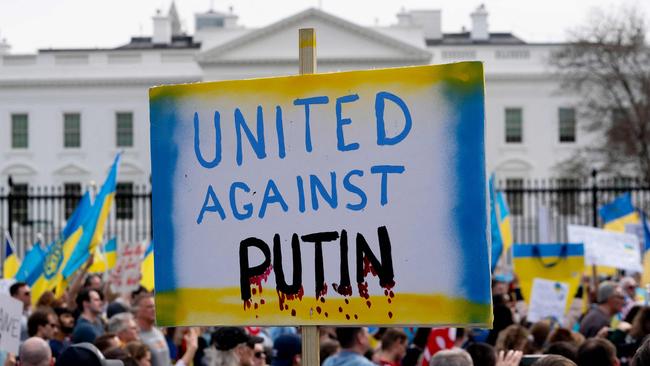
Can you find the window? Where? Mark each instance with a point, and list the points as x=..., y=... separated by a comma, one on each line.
x=514, y=128
x=19, y=209
x=72, y=195
x=124, y=200
x=124, y=129
x=72, y=130
x=515, y=195
x=19, y=136
x=567, y=124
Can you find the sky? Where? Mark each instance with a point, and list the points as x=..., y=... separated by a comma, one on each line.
x=29, y=25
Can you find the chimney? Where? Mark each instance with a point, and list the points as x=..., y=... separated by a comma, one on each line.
x=430, y=21
x=404, y=18
x=162, y=29
x=480, y=30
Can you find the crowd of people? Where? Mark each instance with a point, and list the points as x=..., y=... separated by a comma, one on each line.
x=91, y=326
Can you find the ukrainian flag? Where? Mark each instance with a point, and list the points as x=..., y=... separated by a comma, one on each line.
x=92, y=230
x=69, y=254
x=618, y=213
x=497, y=242
x=146, y=269
x=505, y=229
x=11, y=264
x=32, y=264
x=104, y=257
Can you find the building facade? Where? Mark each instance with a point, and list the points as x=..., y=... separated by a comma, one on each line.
x=65, y=113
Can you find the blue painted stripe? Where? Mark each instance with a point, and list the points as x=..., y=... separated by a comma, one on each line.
x=164, y=156
x=548, y=250
x=470, y=214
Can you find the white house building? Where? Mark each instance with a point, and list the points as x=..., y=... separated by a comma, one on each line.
x=65, y=113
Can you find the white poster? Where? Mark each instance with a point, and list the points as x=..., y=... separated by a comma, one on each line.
x=10, y=313
x=548, y=300
x=125, y=276
x=607, y=248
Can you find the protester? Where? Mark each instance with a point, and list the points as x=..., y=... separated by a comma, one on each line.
x=354, y=344
x=328, y=347
x=642, y=356
x=139, y=352
x=482, y=354
x=124, y=326
x=565, y=349
x=610, y=301
x=84, y=354
x=259, y=355
x=35, y=352
x=62, y=334
x=42, y=323
x=232, y=346
x=554, y=360
x=393, y=348
x=90, y=304
x=597, y=352
x=21, y=292
x=287, y=350
x=106, y=341
x=628, y=338
x=453, y=357
x=629, y=286
x=514, y=337
x=145, y=317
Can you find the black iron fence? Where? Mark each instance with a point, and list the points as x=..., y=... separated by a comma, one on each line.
x=540, y=210
x=31, y=213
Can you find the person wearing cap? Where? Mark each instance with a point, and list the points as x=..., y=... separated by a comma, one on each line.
x=232, y=347
x=610, y=300
x=287, y=351
x=354, y=344
x=35, y=352
x=84, y=354
x=145, y=318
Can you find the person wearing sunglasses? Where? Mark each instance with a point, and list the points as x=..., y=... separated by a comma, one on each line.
x=259, y=356
x=231, y=346
x=42, y=323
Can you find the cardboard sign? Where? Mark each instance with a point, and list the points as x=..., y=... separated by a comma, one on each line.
x=125, y=276
x=548, y=300
x=11, y=311
x=347, y=198
x=607, y=248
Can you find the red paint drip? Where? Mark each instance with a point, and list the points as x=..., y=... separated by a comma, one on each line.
x=257, y=280
x=367, y=267
x=392, y=294
x=347, y=301
x=390, y=314
x=318, y=309
x=356, y=316
x=326, y=314
x=262, y=301
x=347, y=316
x=293, y=312
x=282, y=298
x=368, y=303
x=363, y=290
x=389, y=301
x=322, y=292
x=322, y=299
x=255, y=306
x=340, y=309
x=247, y=304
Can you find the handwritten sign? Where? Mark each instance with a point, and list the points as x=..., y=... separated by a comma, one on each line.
x=11, y=311
x=345, y=198
x=125, y=276
x=607, y=248
x=548, y=300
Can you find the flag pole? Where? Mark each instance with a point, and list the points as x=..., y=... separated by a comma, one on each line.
x=307, y=65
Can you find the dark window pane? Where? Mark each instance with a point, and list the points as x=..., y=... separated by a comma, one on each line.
x=514, y=125
x=19, y=131
x=72, y=194
x=567, y=126
x=124, y=129
x=72, y=130
x=124, y=200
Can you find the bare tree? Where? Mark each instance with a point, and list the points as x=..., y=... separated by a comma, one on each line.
x=607, y=63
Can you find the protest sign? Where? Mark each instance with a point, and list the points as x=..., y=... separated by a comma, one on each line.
x=607, y=248
x=344, y=198
x=548, y=300
x=11, y=311
x=125, y=276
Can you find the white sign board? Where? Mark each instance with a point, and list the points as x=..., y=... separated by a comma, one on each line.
x=10, y=312
x=607, y=248
x=548, y=300
x=5, y=284
x=125, y=276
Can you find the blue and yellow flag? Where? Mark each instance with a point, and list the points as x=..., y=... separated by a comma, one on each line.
x=11, y=263
x=497, y=242
x=146, y=269
x=93, y=227
x=104, y=257
x=618, y=213
x=505, y=229
x=32, y=265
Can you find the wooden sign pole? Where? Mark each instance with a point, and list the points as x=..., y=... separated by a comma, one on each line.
x=307, y=62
